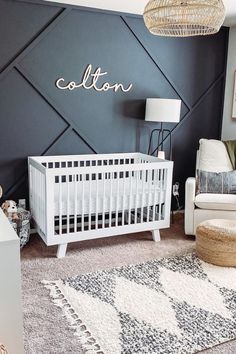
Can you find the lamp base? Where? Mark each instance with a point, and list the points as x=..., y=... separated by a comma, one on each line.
x=163, y=134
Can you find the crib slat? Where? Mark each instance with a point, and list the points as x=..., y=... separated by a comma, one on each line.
x=160, y=193
x=89, y=203
x=103, y=198
x=34, y=194
x=130, y=195
x=60, y=205
x=117, y=198
x=143, y=174
x=32, y=189
x=123, y=200
x=96, y=212
x=82, y=208
x=165, y=182
x=154, y=195
x=149, y=192
x=111, y=191
x=40, y=199
x=68, y=204
x=167, y=191
x=75, y=203
x=45, y=204
x=38, y=195
x=136, y=198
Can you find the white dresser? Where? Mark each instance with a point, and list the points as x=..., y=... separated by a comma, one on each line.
x=11, y=325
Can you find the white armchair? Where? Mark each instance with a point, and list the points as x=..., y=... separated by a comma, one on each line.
x=212, y=157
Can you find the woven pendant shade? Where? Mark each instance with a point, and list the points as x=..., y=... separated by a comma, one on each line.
x=176, y=18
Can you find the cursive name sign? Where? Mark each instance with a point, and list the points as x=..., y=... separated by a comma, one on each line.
x=90, y=81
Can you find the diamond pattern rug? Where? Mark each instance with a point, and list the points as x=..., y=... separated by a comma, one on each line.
x=177, y=305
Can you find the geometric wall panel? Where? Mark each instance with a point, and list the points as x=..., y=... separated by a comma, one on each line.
x=69, y=144
x=52, y=42
x=105, y=48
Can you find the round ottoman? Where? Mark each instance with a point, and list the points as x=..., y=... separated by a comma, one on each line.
x=216, y=242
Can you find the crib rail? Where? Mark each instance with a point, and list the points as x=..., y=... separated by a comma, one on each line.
x=78, y=161
x=37, y=194
x=52, y=161
x=99, y=195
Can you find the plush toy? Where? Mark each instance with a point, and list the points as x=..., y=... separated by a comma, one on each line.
x=10, y=209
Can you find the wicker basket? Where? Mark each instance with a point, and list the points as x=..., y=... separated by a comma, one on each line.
x=22, y=226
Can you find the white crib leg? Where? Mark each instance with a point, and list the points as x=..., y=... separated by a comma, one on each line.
x=61, y=250
x=156, y=235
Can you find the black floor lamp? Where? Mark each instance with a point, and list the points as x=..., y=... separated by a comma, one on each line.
x=161, y=110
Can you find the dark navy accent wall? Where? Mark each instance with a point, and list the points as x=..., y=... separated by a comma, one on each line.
x=42, y=41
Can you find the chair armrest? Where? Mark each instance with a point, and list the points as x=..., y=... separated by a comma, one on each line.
x=190, y=192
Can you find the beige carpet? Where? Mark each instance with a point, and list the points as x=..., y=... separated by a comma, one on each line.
x=45, y=331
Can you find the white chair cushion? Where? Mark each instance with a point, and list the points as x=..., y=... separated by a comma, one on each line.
x=213, y=156
x=216, y=201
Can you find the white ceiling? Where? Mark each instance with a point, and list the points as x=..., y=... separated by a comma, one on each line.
x=137, y=6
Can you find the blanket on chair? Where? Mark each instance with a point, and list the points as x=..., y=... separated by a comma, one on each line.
x=231, y=149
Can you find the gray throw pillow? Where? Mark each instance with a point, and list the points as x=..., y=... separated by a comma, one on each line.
x=216, y=182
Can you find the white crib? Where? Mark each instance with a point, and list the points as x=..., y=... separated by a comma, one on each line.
x=81, y=197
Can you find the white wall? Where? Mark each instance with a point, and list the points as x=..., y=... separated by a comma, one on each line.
x=129, y=6
x=229, y=124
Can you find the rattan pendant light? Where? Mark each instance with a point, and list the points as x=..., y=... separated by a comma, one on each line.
x=176, y=18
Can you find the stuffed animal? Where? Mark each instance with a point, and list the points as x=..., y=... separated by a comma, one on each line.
x=10, y=209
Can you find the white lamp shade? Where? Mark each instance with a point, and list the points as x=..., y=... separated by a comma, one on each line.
x=163, y=110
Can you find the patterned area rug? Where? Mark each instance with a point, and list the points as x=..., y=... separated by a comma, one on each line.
x=177, y=305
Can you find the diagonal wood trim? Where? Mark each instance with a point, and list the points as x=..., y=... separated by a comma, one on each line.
x=168, y=79
x=53, y=105
x=35, y=41
x=57, y=139
x=207, y=91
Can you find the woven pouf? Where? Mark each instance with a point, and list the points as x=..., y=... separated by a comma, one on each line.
x=216, y=242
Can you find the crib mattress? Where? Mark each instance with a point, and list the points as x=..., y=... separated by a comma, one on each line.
x=117, y=196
